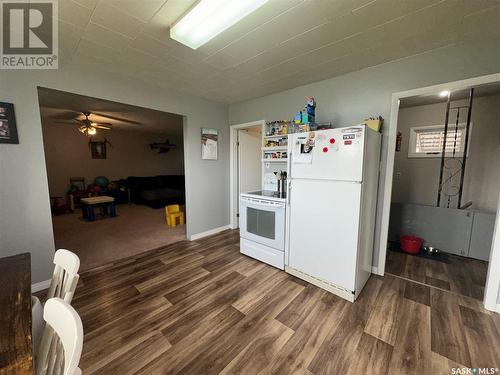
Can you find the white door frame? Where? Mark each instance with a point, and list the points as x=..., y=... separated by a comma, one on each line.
x=187, y=175
x=233, y=165
x=493, y=278
x=492, y=284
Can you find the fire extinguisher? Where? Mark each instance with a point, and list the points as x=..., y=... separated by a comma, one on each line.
x=399, y=139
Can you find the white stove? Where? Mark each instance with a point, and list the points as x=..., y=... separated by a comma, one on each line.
x=262, y=226
x=266, y=194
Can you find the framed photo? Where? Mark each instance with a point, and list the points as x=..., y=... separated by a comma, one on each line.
x=8, y=128
x=98, y=149
x=209, y=143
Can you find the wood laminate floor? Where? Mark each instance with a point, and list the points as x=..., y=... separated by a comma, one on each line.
x=203, y=308
x=465, y=276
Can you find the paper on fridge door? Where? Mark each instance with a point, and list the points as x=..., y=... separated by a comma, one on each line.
x=303, y=149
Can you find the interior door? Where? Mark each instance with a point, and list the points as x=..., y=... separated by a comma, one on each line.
x=249, y=160
x=324, y=224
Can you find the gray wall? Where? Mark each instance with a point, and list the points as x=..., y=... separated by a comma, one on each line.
x=352, y=97
x=419, y=177
x=25, y=222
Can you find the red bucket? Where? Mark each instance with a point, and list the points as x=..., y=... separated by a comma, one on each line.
x=411, y=244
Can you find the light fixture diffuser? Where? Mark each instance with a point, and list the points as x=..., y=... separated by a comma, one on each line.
x=208, y=18
x=444, y=94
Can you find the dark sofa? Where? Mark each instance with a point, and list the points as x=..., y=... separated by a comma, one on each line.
x=157, y=191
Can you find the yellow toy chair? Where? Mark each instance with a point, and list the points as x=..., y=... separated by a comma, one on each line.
x=173, y=212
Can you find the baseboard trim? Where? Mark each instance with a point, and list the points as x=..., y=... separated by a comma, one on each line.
x=197, y=236
x=42, y=285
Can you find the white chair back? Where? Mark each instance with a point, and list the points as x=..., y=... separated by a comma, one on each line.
x=65, y=276
x=37, y=322
x=62, y=341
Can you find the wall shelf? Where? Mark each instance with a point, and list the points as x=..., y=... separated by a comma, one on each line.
x=275, y=136
x=274, y=145
x=275, y=148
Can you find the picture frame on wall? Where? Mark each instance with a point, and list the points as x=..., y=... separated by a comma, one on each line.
x=98, y=149
x=8, y=127
x=209, y=143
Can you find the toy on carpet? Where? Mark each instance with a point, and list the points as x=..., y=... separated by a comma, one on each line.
x=60, y=206
x=172, y=213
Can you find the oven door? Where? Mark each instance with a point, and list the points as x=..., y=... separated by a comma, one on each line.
x=263, y=221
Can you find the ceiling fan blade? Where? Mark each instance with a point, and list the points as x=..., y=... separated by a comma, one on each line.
x=71, y=122
x=66, y=115
x=121, y=119
x=99, y=126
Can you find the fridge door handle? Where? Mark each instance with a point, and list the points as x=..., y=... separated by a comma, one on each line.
x=289, y=193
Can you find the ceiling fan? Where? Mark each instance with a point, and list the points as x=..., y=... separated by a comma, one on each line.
x=86, y=124
x=89, y=127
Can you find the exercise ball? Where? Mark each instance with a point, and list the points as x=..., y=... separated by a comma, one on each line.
x=101, y=181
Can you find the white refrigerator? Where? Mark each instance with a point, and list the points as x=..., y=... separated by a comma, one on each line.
x=332, y=197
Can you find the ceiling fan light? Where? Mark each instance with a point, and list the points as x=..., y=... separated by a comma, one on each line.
x=91, y=131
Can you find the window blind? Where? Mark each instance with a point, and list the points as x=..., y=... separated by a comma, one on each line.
x=431, y=141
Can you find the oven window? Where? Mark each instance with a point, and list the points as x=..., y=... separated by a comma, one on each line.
x=261, y=222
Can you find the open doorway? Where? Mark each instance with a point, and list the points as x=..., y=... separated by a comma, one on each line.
x=112, y=170
x=246, y=163
x=249, y=144
x=445, y=193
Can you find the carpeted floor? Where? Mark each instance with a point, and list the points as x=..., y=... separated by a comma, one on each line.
x=136, y=229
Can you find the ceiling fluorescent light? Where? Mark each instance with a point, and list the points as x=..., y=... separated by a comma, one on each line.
x=208, y=18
